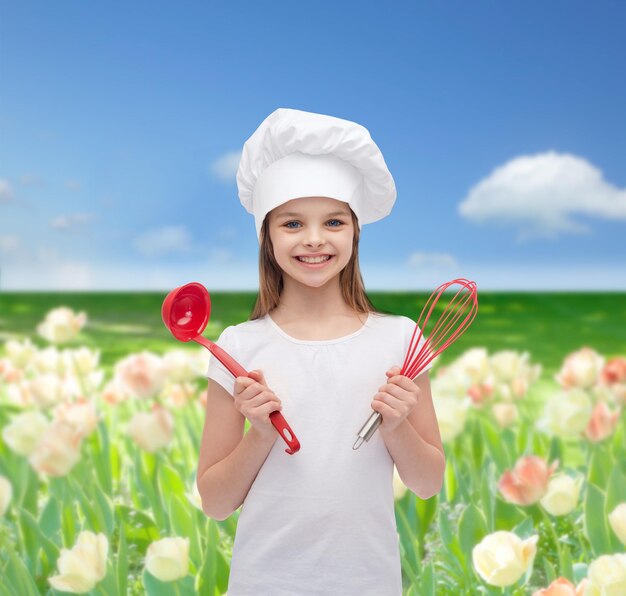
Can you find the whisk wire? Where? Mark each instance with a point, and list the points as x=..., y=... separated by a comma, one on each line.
x=449, y=318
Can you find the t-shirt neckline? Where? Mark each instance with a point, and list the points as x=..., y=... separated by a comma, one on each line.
x=336, y=340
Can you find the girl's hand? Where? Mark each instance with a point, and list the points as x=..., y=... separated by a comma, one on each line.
x=395, y=399
x=256, y=402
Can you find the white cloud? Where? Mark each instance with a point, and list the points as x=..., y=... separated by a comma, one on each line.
x=31, y=180
x=541, y=193
x=72, y=220
x=9, y=243
x=160, y=241
x=423, y=259
x=6, y=192
x=73, y=184
x=220, y=255
x=225, y=167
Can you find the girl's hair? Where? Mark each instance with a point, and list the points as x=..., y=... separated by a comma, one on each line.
x=271, y=277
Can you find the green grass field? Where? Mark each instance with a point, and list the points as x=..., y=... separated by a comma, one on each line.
x=548, y=325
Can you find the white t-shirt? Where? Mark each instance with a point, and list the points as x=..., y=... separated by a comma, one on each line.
x=320, y=522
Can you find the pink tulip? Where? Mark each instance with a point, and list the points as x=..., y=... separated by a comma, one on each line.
x=561, y=587
x=614, y=371
x=528, y=481
x=602, y=422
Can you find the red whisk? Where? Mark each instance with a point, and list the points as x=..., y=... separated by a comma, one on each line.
x=445, y=331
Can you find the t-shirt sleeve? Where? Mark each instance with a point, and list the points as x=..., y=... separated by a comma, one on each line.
x=217, y=371
x=411, y=340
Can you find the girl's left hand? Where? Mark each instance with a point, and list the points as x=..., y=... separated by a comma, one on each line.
x=395, y=399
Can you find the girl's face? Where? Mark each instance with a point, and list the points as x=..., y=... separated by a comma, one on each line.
x=312, y=226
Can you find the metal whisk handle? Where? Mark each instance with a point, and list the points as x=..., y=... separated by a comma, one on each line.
x=368, y=429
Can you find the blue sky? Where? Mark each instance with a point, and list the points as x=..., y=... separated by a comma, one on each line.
x=503, y=125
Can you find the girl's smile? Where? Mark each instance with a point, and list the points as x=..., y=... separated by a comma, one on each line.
x=315, y=265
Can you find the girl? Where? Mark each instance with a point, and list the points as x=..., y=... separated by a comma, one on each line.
x=321, y=521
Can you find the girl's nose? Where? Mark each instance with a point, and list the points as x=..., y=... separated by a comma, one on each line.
x=314, y=240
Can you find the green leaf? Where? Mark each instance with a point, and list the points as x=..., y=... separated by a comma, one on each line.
x=122, y=561
x=493, y=440
x=450, y=480
x=105, y=509
x=550, y=571
x=472, y=529
x=181, y=587
x=144, y=469
x=68, y=525
x=89, y=509
x=426, y=510
x=30, y=537
x=428, y=581
x=37, y=539
x=595, y=523
x=102, y=458
x=140, y=528
x=451, y=542
x=170, y=483
x=16, y=576
x=206, y=578
x=410, y=543
x=600, y=466
x=50, y=518
x=615, y=494
x=487, y=496
x=565, y=563
x=556, y=450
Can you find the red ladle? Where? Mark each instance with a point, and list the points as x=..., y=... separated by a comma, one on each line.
x=185, y=312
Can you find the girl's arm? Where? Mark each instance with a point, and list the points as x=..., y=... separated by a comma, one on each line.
x=229, y=459
x=415, y=445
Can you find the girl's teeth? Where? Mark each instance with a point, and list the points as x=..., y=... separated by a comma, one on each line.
x=313, y=261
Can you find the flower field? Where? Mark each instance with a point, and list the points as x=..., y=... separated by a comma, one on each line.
x=101, y=414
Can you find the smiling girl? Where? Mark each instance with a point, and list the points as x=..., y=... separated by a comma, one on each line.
x=321, y=521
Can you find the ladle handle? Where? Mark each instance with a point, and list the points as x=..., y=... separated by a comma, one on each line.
x=279, y=423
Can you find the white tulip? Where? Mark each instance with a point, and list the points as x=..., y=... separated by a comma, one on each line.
x=82, y=567
x=20, y=353
x=607, y=576
x=451, y=382
x=24, y=431
x=506, y=365
x=49, y=389
x=562, y=495
x=399, y=488
x=580, y=369
x=58, y=451
x=567, y=413
x=451, y=413
x=617, y=520
x=505, y=414
x=184, y=365
x=475, y=365
x=168, y=559
x=6, y=494
x=49, y=360
x=81, y=360
x=80, y=414
x=61, y=325
x=502, y=558
x=152, y=430
x=141, y=375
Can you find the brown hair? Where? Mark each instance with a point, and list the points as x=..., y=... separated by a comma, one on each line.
x=271, y=277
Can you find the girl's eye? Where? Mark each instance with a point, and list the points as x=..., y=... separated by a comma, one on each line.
x=294, y=221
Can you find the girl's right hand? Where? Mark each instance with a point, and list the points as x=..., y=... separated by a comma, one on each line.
x=256, y=402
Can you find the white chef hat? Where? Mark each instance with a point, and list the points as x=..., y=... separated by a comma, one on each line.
x=294, y=154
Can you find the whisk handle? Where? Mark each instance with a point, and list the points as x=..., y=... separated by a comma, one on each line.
x=368, y=429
